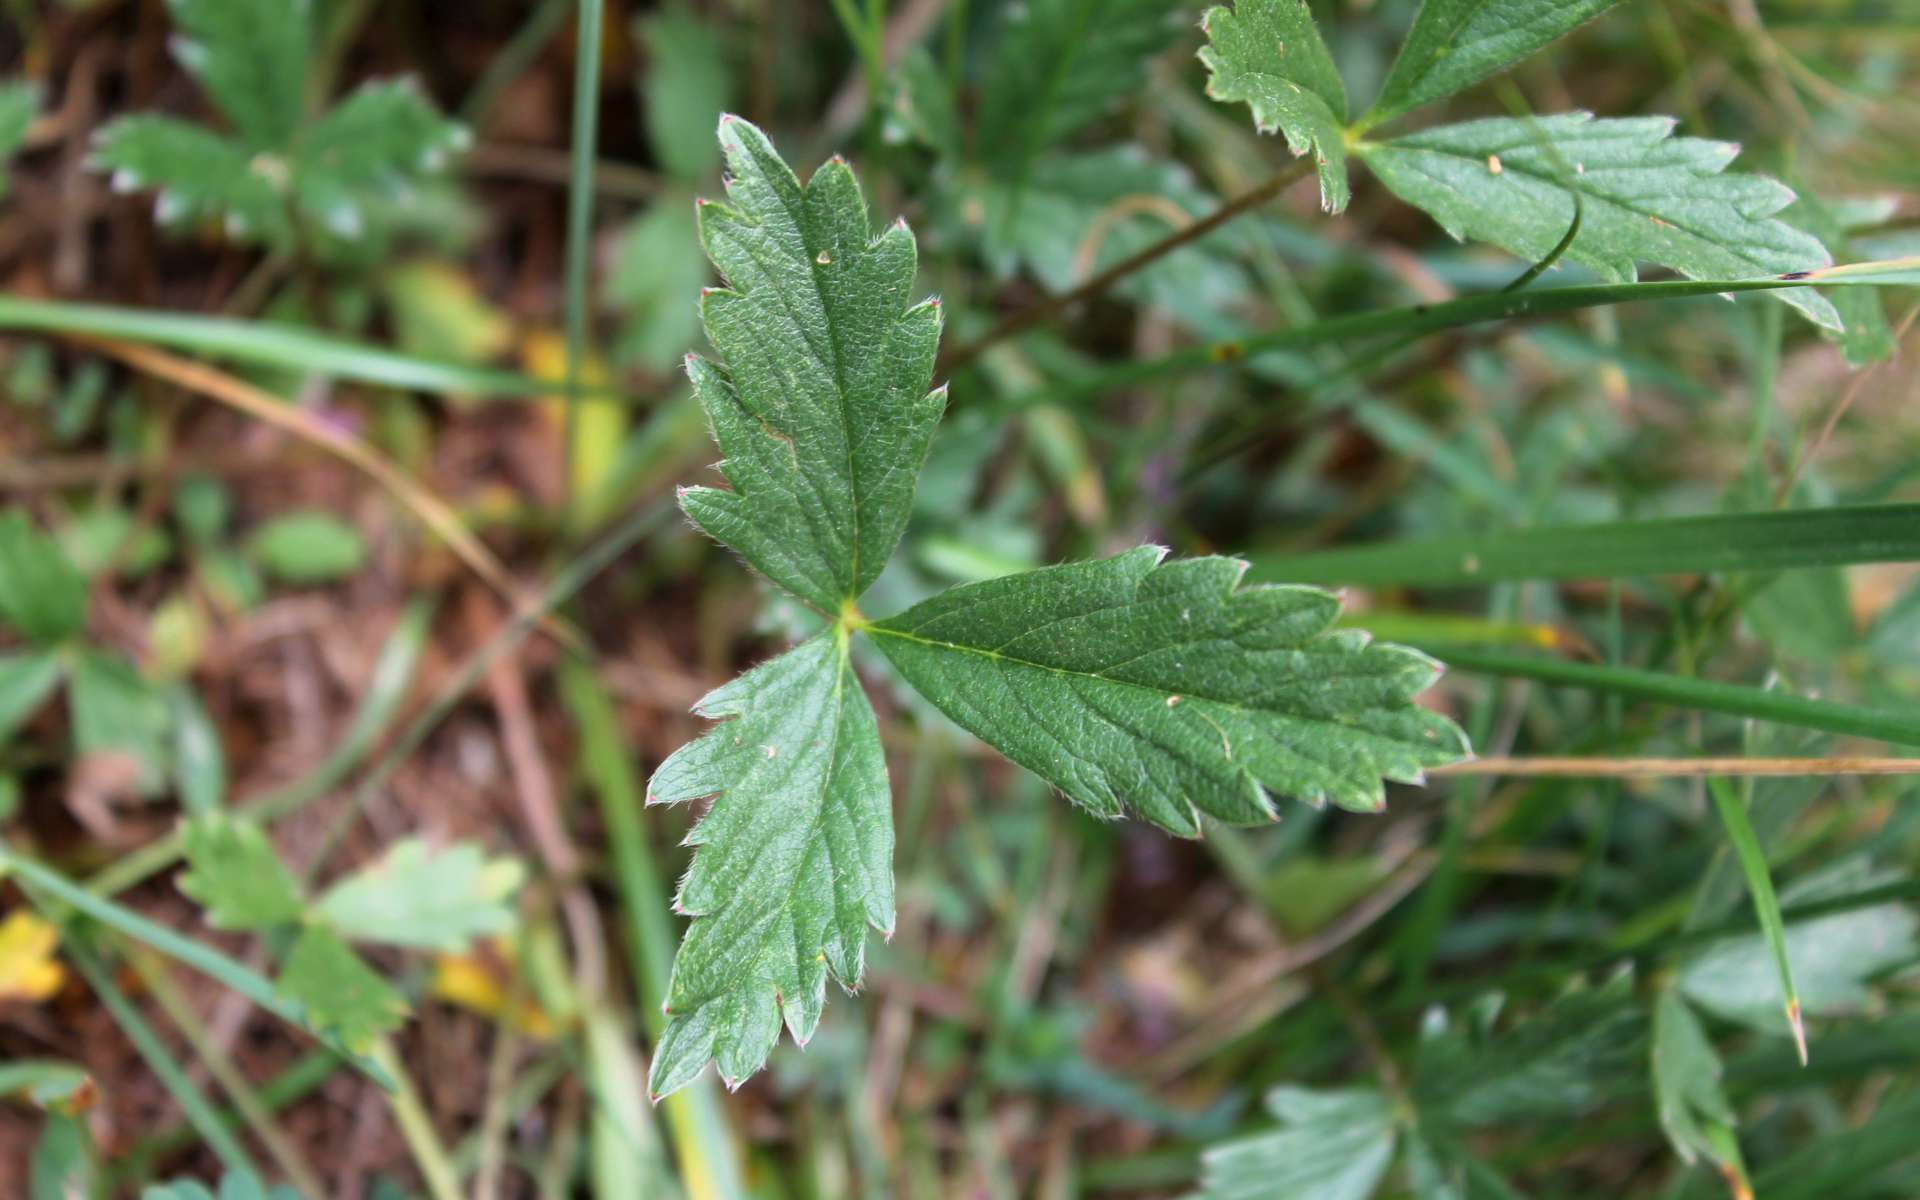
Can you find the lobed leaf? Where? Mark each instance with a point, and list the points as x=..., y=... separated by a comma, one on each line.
x=251, y=56
x=1080, y=214
x=308, y=547
x=118, y=712
x=684, y=89
x=1834, y=957
x=1268, y=53
x=1333, y=1145
x=821, y=406
x=42, y=597
x=794, y=860
x=337, y=994
x=1059, y=65
x=26, y=680
x=19, y=101
x=235, y=874
x=200, y=175
x=1163, y=687
x=1581, y=1050
x=1644, y=197
x=657, y=265
x=416, y=896
x=370, y=149
x=1456, y=43
x=234, y=1185
x=1687, y=1094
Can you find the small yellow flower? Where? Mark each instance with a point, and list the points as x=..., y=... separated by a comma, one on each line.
x=27, y=967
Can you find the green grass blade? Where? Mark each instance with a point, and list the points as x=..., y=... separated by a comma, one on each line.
x=193, y=1103
x=1419, y=319
x=227, y=972
x=1766, y=904
x=703, y=1142
x=1761, y=541
x=263, y=344
x=1731, y=698
x=213, y=1056
x=579, y=252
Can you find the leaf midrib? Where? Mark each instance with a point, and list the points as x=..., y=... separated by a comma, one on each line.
x=878, y=630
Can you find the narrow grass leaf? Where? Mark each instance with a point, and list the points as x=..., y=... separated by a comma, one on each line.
x=203, y=958
x=1760, y=541
x=1730, y=698
x=263, y=343
x=1766, y=904
x=1419, y=319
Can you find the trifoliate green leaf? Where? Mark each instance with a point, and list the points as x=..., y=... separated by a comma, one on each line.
x=26, y=680
x=683, y=90
x=371, y=149
x=308, y=547
x=1059, y=65
x=251, y=56
x=19, y=101
x=1454, y=44
x=794, y=860
x=1645, y=197
x=1333, y=1145
x=42, y=597
x=821, y=406
x=117, y=712
x=1268, y=53
x=338, y=993
x=235, y=1185
x=234, y=873
x=200, y=175
x=1167, y=689
x=431, y=899
x=1686, y=1080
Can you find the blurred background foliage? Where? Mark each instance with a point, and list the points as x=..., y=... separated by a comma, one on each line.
x=234, y=596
